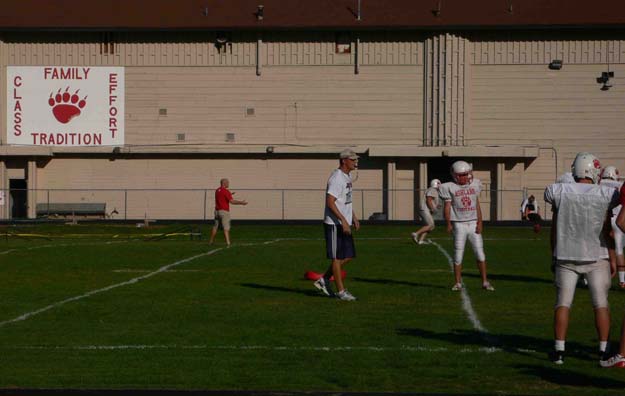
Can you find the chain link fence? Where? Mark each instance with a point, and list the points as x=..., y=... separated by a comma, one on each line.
x=263, y=204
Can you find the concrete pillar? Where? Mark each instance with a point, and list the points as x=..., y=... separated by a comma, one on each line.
x=31, y=183
x=500, y=174
x=4, y=191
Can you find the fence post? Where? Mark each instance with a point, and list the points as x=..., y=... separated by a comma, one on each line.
x=204, y=205
x=282, y=204
x=48, y=208
x=125, y=204
x=362, y=204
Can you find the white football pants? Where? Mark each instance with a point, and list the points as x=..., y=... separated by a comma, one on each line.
x=619, y=237
x=464, y=230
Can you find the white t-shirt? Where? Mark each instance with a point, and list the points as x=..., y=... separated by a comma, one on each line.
x=340, y=187
x=581, y=212
x=614, y=184
x=430, y=192
x=463, y=199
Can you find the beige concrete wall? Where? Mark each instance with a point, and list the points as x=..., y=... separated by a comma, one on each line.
x=291, y=105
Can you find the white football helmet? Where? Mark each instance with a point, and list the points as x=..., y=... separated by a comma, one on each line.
x=435, y=183
x=462, y=168
x=586, y=166
x=609, y=172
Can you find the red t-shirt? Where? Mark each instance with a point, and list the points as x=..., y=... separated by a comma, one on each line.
x=223, y=196
x=622, y=197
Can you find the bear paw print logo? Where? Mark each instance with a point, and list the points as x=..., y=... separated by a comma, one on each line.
x=66, y=106
x=466, y=201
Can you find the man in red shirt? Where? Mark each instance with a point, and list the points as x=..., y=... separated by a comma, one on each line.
x=223, y=199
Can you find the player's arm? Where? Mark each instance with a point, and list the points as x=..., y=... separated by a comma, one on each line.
x=331, y=203
x=478, y=227
x=447, y=214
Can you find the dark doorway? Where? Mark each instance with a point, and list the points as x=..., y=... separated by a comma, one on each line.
x=438, y=168
x=17, y=198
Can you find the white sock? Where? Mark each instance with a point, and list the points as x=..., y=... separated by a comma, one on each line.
x=603, y=345
x=560, y=345
x=621, y=276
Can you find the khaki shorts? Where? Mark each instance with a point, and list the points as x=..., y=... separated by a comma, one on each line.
x=222, y=217
x=426, y=217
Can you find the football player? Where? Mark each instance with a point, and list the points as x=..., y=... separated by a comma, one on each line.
x=464, y=219
x=618, y=360
x=429, y=206
x=609, y=177
x=578, y=234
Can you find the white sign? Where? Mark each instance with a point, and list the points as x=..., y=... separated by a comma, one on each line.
x=65, y=106
x=1, y=198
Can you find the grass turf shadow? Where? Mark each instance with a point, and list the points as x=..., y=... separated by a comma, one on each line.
x=310, y=293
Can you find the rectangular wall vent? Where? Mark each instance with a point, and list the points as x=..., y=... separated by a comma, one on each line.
x=181, y=137
x=230, y=137
x=162, y=112
x=250, y=111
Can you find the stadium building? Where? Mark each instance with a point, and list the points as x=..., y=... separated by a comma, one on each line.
x=133, y=109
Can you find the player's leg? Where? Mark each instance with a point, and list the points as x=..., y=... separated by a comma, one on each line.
x=428, y=225
x=477, y=244
x=565, y=283
x=599, y=282
x=460, y=240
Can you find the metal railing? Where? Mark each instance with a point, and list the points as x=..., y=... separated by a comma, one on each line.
x=264, y=204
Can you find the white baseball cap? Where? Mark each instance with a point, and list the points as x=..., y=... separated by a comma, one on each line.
x=348, y=154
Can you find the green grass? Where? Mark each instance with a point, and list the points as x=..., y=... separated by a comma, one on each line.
x=245, y=319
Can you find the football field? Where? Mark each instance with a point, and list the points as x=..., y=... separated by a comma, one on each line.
x=117, y=307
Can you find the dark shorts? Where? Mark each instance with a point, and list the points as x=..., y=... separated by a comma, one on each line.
x=338, y=244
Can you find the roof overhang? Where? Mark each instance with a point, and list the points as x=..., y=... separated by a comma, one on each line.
x=508, y=151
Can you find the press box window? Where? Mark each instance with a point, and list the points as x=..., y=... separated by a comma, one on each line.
x=343, y=43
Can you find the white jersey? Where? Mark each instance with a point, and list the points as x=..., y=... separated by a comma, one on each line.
x=433, y=193
x=340, y=187
x=581, y=210
x=614, y=184
x=463, y=199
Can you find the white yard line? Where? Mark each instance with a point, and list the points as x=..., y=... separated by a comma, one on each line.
x=162, y=269
x=403, y=348
x=104, y=289
x=466, y=300
x=60, y=245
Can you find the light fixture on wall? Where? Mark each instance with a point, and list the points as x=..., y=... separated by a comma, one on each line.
x=269, y=149
x=260, y=12
x=555, y=64
x=605, y=80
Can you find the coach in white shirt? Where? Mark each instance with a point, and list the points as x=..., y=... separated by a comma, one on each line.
x=338, y=220
x=579, y=238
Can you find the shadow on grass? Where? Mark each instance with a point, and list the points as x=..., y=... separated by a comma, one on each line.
x=396, y=282
x=557, y=375
x=513, y=343
x=514, y=278
x=310, y=293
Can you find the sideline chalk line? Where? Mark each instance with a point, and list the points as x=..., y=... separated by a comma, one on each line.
x=466, y=300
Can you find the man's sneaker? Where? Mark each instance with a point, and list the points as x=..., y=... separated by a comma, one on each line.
x=344, y=295
x=323, y=285
x=457, y=287
x=415, y=238
x=487, y=286
x=556, y=357
x=614, y=361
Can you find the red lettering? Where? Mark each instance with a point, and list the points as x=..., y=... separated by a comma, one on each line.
x=17, y=81
x=17, y=130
